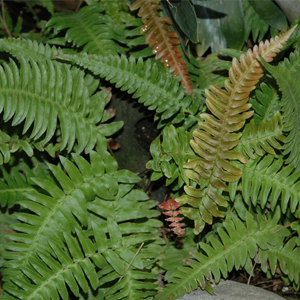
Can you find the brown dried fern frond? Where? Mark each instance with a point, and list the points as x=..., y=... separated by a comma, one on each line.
x=162, y=39
x=219, y=133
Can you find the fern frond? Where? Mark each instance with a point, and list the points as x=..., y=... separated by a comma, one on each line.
x=170, y=155
x=32, y=50
x=287, y=77
x=266, y=104
x=236, y=246
x=164, y=41
x=88, y=28
x=28, y=94
x=61, y=210
x=13, y=185
x=28, y=49
x=265, y=137
x=266, y=181
x=50, y=275
x=284, y=256
x=170, y=208
x=219, y=132
x=154, y=88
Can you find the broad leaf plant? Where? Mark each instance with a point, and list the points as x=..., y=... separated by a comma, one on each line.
x=74, y=225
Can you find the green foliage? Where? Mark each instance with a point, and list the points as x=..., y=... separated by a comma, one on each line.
x=75, y=226
x=236, y=245
x=264, y=138
x=267, y=181
x=155, y=89
x=97, y=33
x=266, y=104
x=171, y=155
x=287, y=77
x=87, y=205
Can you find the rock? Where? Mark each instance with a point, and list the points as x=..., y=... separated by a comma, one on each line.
x=231, y=290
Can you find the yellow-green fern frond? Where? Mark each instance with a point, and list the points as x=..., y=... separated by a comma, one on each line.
x=219, y=133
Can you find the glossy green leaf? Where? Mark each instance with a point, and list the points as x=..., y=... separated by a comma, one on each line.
x=270, y=13
x=184, y=14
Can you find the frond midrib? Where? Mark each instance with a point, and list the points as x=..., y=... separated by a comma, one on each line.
x=18, y=190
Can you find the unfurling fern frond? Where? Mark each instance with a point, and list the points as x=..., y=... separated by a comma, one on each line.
x=236, y=245
x=164, y=40
x=28, y=94
x=287, y=77
x=96, y=32
x=76, y=212
x=219, y=133
x=265, y=181
x=154, y=88
x=265, y=137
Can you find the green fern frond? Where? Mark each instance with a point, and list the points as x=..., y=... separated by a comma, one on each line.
x=10, y=145
x=170, y=155
x=219, y=133
x=285, y=256
x=265, y=137
x=89, y=28
x=28, y=49
x=287, y=77
x=62, y=209
x=154, y=88
x=17, y=182
x=50, y=275
x=266, y=104
x=236, y=246
x=28, y=94
x=265, y=180
x=32, y=50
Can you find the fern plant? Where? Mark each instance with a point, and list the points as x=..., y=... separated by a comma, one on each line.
x=79, y=227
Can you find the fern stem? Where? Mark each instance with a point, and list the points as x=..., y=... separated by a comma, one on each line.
x=135, y=255
x=3, y=22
